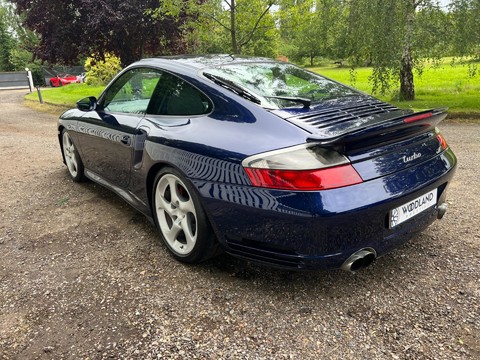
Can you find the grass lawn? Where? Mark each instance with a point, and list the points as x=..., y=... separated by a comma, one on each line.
x=446, y=85
x=443, y=86
x=66, y=95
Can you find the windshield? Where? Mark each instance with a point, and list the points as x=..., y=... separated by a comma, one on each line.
x=279, y=85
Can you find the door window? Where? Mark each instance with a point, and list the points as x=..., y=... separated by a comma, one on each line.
x=131, y=93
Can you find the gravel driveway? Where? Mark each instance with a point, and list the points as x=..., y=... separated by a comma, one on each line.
x=83, y=276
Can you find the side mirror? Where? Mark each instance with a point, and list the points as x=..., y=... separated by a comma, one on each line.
x=87, y=104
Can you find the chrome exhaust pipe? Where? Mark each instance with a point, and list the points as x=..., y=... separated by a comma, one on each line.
x=442, y=209
x=359, y=259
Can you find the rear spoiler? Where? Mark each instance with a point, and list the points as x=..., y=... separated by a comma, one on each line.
x=375, y=129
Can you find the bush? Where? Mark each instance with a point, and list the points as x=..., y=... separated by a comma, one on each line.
x=37, y=74
x=100, y=72
x=20, y=59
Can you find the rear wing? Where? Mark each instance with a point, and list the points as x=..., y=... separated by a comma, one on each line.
x=379, y=128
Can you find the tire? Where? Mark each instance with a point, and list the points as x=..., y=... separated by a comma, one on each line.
x=72, y=158
x=180, y=218
x=51, y=83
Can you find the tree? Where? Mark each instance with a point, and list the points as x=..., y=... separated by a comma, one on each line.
x=245, y=19
x=233, y=26
x=465, y=15
x=16, y=44
x=300, y=29
x=312, y=27
x=389, y=35
x=7, y=40
x=70, y=30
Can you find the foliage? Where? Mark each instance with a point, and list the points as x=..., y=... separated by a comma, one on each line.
x=101, y=72
x=441, y=85
x=231, y=26
x=313, y=28
x=7, y=41
x=395, y=37
x=37, y=74
x=411, y=31
x=20, y=59
x=15, y=45
x=71, y=29
x=465, y=30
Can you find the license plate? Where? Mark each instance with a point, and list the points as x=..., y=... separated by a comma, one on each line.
x=412, y=208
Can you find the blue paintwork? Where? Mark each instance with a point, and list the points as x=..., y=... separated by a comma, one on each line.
x=316, y=229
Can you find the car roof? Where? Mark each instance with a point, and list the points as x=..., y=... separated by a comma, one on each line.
x=198, y=62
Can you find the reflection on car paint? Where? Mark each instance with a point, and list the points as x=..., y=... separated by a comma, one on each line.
x=99, y=131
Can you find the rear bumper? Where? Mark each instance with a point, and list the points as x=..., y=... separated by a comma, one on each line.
x=284, y=259
x=322, y=229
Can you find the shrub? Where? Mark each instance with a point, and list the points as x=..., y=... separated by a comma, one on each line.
x=100, y=72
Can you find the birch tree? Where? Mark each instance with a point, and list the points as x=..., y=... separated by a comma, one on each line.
x=388, y=35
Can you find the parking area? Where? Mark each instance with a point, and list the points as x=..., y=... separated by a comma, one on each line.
x=84, y=276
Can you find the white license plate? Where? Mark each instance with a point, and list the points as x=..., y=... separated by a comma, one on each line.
x=412, y=208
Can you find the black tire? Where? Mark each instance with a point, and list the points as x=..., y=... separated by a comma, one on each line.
x=180, y=218
x=72, y=158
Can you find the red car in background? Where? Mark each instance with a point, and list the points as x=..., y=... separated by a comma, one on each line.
x=65, y=79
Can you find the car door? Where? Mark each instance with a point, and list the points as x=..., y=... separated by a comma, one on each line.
x=108, y=133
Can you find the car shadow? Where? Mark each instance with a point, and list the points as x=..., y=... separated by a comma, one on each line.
x=230, y=269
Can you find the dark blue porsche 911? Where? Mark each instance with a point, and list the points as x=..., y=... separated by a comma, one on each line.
x=261, y=159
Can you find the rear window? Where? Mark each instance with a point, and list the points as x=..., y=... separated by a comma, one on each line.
x=270, y=81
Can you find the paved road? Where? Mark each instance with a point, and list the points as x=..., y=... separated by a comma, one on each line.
x=82, y=276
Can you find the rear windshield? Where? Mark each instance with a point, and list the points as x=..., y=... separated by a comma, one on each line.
x=270, y=81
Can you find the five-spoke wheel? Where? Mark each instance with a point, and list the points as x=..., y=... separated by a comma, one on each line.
x=72, y=159
x=180, y=218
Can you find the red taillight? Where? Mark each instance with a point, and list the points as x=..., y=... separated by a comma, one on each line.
x=442, y=141
x=417, y=117
x=316, y=179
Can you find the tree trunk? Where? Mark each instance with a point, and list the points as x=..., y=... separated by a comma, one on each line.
x=233, y=29
x=407, y=88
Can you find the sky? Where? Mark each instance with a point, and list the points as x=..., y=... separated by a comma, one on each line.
x=444, y=3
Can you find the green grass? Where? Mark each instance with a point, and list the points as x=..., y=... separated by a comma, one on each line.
x=66, y=95
x=443, y=86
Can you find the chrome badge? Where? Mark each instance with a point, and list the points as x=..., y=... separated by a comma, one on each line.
x=412, y=157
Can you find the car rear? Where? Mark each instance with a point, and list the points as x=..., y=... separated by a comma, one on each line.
x=392, y=184
x=368, y=177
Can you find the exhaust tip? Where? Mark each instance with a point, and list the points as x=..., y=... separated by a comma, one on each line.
x=441, y=210
x=359, y=259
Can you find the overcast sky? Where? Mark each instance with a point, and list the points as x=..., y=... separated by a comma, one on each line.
x=444, y=3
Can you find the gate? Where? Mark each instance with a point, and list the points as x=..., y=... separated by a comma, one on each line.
x=16, y=80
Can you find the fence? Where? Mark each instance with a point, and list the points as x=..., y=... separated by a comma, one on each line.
x=16, y=80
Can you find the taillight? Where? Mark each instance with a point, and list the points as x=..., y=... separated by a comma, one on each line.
x=441, y=140
x=417, y=117
x=305, y=167
x=321, y=179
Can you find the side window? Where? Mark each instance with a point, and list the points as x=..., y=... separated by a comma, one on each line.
x=132, y=92
x=174, y=96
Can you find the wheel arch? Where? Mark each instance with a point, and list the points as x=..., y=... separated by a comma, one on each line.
x=152, y=173
x=216, y=247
